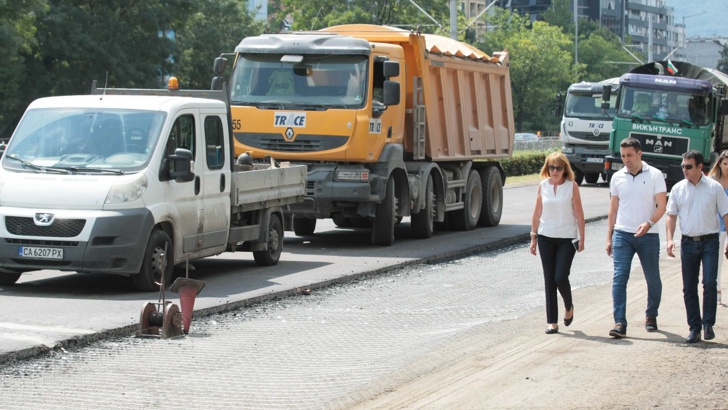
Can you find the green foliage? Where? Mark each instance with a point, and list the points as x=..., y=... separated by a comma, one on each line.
x=524, y=163
x=540, y=66
x=57, y=47
x=317, y=14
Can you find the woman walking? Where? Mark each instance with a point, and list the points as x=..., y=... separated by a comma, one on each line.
x=719, y=172
x=557, y=227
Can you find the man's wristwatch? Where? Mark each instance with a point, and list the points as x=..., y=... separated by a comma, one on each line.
x=649, y=221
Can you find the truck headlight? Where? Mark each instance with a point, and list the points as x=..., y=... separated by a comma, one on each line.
x=617, y=167
x=567, y=149
x=352, y=175
x=127, y=191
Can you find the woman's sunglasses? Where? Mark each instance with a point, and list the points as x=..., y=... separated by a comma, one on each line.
x=556, y=168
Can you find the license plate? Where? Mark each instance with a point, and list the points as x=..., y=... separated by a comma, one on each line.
x=40, y=253
x=599, y=160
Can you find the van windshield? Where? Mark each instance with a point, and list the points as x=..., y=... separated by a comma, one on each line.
x=317, y=81
x=81, y=139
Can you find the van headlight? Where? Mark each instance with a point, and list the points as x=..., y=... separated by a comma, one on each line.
x=127, y=191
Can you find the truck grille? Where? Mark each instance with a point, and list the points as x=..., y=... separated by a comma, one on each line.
x=301, y=143
x=60, y=228
x=661, y=144
x=588, y=136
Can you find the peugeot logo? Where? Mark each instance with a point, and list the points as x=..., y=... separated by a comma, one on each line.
x=43, y=219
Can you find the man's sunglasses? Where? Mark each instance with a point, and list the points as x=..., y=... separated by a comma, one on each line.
x=556, y=168
x=687, y=166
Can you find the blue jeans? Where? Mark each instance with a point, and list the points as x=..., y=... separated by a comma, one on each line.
x=693, y=254
x=647, y=248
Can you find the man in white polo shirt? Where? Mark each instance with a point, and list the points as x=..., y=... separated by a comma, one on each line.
x=638, y=201
x=697, y=200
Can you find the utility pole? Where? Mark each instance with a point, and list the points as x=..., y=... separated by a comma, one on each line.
x=576, y=37
x=454, y=19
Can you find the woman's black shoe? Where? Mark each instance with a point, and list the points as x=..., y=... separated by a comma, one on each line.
x=567, y=322
x=552, y=330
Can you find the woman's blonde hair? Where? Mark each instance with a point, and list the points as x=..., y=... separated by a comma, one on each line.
x=716, y=172
x=556, y=159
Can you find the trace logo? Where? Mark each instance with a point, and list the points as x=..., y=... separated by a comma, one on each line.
x=289, y=119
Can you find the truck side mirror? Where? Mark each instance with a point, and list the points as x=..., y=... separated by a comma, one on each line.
x=558, y=108
x=181, y=161
x=219, y=66
x=391, y=93
x=724, y=106
x=216, y=83
x=391, y=69
x=606, y=96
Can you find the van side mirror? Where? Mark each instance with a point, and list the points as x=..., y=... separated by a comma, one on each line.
x=391, y=93
x=391, y=69
x=181, y=165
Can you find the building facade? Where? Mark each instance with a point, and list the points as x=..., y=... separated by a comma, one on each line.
x=650, y=24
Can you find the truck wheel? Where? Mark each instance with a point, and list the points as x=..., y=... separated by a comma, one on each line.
x=303, y=226
x=151, y=272
x=591, y=178
x=9, y=278
x=385, y=217
x=270, y=256
x=492, y=197
x=578, y=177
x=423, y=222
x=467, y=218
x=341, y=221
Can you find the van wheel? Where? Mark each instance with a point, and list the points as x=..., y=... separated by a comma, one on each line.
x=9, y=278
x=341, y=221
x=154, y=258
x=303, y=226
x=492, y=197
x=591, y=178
x=270, y=256
x=423, y=222
x=578, y=177
x=385, y=217
x=467, y=218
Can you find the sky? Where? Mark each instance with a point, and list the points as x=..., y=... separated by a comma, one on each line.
x=708, y=17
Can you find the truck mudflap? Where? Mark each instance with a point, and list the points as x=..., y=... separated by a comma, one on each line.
x=101, y=242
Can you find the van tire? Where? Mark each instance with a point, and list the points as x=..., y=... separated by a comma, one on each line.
x=270, y=256
x=150, y=273
x=466, y=219
x=492, y=210
x=385, y=217
x=423, y=222
x=303, y=226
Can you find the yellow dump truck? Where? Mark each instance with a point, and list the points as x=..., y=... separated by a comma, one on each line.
x=390, y=123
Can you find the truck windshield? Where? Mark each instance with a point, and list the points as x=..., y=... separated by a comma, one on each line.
x=77, y=139
x=668, y=106
x=587, y=106
x=316, y=82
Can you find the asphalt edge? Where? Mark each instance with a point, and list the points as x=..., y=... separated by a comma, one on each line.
x=81, y=341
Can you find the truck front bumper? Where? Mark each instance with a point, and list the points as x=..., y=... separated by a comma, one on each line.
x=327, y=193
x=586, y=159
x=81, y=241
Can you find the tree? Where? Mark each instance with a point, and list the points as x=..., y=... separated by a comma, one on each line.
x=317, y=14
x=215, y=27
x=540, y=66
x=561, y=14
x=17, y=38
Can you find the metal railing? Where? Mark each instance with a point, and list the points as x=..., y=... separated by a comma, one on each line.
x=546, y=143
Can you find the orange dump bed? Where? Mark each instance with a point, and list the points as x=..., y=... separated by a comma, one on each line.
x=466, y=94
